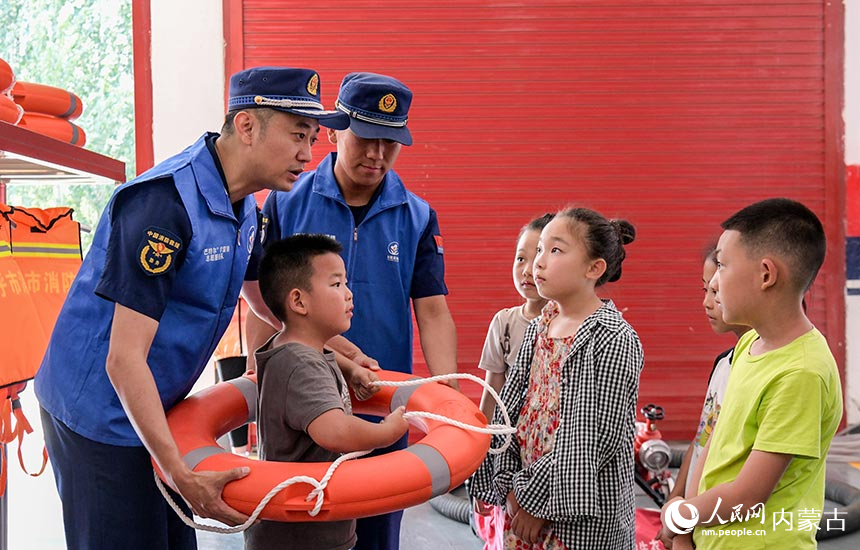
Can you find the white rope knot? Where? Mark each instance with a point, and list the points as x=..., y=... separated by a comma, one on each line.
x=319, y=486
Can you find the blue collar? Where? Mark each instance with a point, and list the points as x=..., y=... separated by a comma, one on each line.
x=211, y=184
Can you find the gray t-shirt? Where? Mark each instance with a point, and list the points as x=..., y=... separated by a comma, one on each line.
x=296, y=384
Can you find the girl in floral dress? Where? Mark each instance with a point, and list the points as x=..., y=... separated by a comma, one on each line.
x=566, y=481
x=502, y=345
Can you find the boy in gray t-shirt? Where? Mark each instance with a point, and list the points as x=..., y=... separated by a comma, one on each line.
x=304, y=412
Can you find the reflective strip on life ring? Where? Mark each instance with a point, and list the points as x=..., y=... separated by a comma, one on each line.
x=369, y=486
x=10, y=111
x=55, y=127
x=7, y=76
x=47, y=100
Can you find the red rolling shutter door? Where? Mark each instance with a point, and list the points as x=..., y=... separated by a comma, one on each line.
x=670, y=114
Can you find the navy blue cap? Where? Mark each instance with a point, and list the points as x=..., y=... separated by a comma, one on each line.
x=295, y=91
x=377, y=105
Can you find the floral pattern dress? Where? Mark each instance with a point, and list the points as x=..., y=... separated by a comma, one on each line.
x=539, y=419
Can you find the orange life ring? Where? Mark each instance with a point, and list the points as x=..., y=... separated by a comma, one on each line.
x=10, y=111
x=47, y=100
x=7, y=76
x=434, y=465
x=55, y=127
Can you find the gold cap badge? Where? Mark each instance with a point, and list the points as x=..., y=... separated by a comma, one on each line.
x=388, y=103
x=314, y=84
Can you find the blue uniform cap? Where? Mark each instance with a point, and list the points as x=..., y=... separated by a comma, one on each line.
x=295, y=91
x=377, y=105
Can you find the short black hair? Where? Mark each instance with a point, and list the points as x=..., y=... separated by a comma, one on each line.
x=262, y=114
x=786, y=228
x=288, y=264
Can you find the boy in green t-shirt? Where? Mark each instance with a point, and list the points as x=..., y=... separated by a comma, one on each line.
x=762, y=480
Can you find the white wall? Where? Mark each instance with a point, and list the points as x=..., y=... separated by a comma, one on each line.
x=187, y=73
x=852, y=82
x=852, y=157
x=187, y=79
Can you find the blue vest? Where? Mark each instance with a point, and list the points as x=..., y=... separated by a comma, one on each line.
x=72, y=383
x=379, y=254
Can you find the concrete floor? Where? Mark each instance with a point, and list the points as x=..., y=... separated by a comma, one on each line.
x=34, y=516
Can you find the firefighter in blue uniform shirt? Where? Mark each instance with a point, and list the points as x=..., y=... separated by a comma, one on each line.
x=151, y=301
x=393, y=248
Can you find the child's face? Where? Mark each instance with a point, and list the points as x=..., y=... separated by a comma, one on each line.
x=329, y=302
x=562, y=267
x=523, y=260
x=715, y=316
x=735, y=280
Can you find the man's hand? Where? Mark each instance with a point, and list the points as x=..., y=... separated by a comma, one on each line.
x=364, y=361
x=202, y=492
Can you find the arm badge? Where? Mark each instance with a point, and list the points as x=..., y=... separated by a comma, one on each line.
x=157, y=250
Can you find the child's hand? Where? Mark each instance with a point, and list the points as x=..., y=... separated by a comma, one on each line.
x=482, y=508
x=361, y=381
x=667, y=536
x=663, y=537
x=681, y=542
x=523, y=524
x=511, y=504
x=396, y=424
x=250, y=364
x=527, y=527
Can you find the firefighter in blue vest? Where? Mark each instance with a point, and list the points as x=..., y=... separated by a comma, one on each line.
x=392, y=248
x=148, y=306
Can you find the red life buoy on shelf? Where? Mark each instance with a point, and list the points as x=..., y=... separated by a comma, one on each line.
x=55, y=127
x=10, y=111
x=7, y=76
x=47, y=100
x=434, y=465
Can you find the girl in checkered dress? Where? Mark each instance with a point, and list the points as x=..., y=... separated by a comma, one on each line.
x=566, y=481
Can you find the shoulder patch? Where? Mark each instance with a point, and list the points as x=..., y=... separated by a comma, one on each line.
x=440, y=249
x=157, y=250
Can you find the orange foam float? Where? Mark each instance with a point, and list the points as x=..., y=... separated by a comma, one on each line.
x=434, y=465
x=55, y=127
x=10, y=111
x=7, y=76
x=47, y=100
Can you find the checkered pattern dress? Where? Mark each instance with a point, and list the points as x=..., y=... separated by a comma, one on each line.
x=583, y=483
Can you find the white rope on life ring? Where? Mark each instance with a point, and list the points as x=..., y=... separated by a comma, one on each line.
x=320, y=485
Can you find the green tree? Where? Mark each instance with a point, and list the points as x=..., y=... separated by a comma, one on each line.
x=84, y=46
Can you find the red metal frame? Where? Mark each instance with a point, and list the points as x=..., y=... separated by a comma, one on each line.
x=834, y=184
x=142, y=39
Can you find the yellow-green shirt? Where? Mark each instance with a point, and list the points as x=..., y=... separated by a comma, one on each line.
x=788, y=400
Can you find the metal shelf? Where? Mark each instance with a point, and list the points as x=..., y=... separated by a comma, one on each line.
x=26, y=156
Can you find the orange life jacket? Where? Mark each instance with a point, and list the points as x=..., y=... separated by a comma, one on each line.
x=40, y=253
